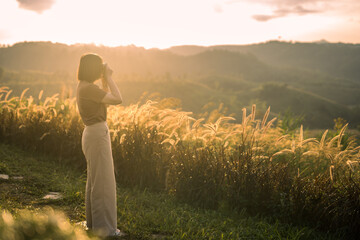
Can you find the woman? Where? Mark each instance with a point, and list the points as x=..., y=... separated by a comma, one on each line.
x=100, y=201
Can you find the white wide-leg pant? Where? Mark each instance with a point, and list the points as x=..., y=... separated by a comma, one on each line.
x=100, y=201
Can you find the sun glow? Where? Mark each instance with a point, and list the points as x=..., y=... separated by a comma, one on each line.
x=159, y=23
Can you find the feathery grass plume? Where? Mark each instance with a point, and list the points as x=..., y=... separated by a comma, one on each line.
x=310, y=152
x=253, y=111
x=341, y=134
x=197, y=123
x=322, y=141
x=22, y=95
x=4, y=89
x=257, y=127
x=352, y=164
x=293, y=146
x=265, y=118
x=340, y=155
x=244, y=117
x=122, y=138
x=40, y=94
x=47, y=100
x=330, y=144
x=309, y=140
x=281, y=138
x=284, y=151
x=29, y=104
x=268, y=125
x=301, y=136
x=44, y=135
x=7, y=95
x=331, y=172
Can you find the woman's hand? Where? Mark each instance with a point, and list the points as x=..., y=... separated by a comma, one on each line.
x=107, y=71
x=106, y=75
x=114, y=97
x=105, y=85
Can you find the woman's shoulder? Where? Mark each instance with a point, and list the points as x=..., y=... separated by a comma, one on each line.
x=83, y=85
x=90, y=91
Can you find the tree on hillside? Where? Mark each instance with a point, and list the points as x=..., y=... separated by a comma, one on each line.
x=1, y=72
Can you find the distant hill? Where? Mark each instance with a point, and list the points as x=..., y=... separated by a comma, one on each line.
x=336, y=59
x=187, y=50
x=316, y=84
x=318, y=111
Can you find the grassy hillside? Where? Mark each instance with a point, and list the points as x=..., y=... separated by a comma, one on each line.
x=141, y=214
x=329, y=70
x=318, y=111
x=231, y=76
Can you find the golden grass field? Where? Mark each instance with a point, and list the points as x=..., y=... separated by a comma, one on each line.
x=252, y=165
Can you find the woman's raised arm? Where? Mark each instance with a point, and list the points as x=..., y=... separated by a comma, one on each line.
x=114, y=97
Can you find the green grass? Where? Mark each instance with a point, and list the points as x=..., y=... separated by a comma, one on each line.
x=141, y=214
x=39, y=178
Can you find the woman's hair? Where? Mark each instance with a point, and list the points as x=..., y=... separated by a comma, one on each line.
x=90, y=67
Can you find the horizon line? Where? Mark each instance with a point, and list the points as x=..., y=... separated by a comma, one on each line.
x=321, y=41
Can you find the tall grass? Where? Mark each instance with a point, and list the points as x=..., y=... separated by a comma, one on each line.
x=42, y=226
x=249, y=166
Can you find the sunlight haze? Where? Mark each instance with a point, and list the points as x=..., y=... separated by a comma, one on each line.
x=164, y=23
x=180, y=119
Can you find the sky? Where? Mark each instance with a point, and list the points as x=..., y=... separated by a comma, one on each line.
x=165, y=23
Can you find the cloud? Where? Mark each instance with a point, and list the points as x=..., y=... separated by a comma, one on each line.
x=263, y=18
x=282, y=12
x=36, y=5
x=218, y=8
x=283, y=8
